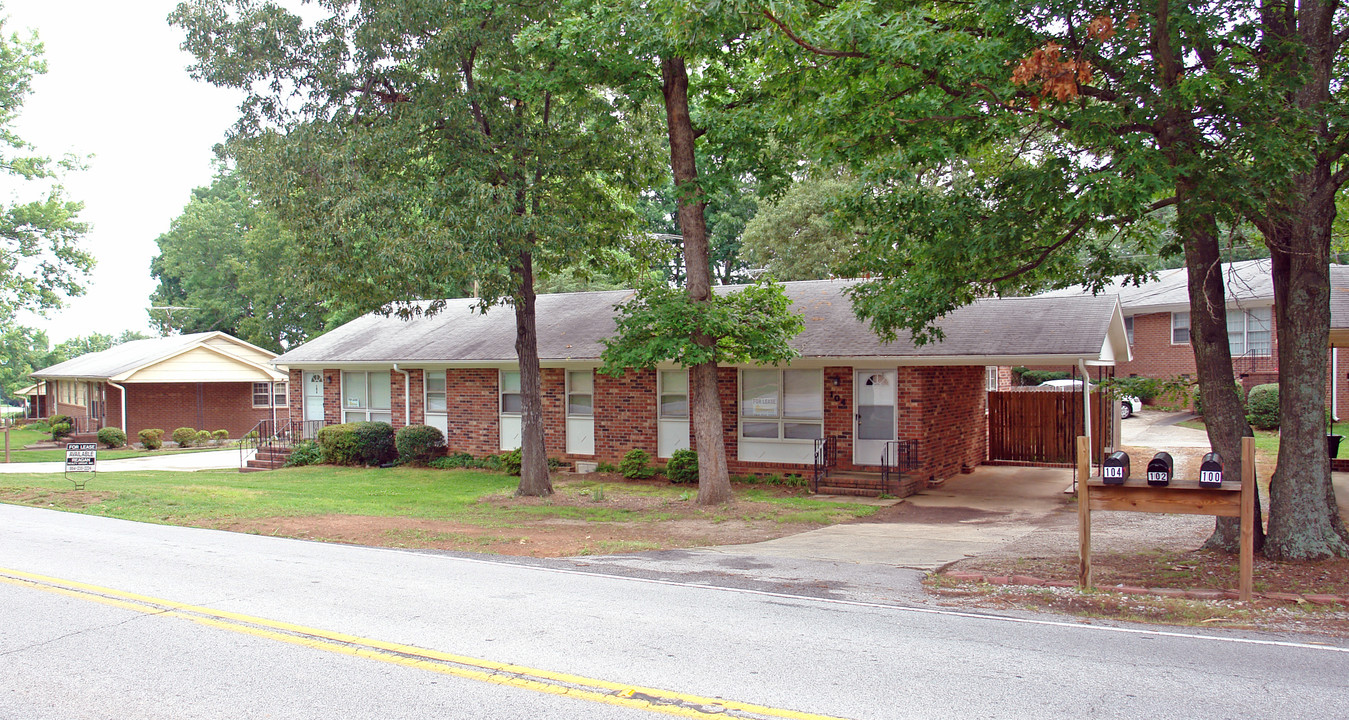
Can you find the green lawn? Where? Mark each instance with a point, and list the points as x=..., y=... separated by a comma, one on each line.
x=20, y=438
x=474, y=497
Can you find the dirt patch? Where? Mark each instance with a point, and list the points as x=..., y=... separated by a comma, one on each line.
x=507, y=527
x=62, y=499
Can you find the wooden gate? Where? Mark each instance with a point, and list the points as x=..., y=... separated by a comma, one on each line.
x=1039, y=426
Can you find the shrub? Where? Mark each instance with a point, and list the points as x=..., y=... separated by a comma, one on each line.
x=112, y=437
x=510, y=462
x=251, y=435
x=419, y=444
x=339, y=444
x=1143, y=388
x=60, y=426
x=203, y=438
x=151, y=438
x=220, y=436
x=455, y=460
x=1262, y=407
x=184, y=436
x=1025, y=376
x=605, y=467
x=375, y=443
x=683, y=466
x=636, y=465
x=305, y=452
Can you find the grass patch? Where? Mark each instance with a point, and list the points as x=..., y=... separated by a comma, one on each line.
x=21, y=438
x=429, y=508
x=210, y=495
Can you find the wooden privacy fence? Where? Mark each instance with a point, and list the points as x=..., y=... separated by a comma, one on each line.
x=1039, y=426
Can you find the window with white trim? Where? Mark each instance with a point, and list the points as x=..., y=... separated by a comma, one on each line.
x=1248, y=332
x=580, y=393
x=269, y=394
x=674, y=394
x=782, y=405
x=510, y=393
x=435, y=392
x=367, y=396
x=991, y=378
x=1180, y=328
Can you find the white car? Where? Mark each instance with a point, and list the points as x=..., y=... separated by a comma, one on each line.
x=1128, y=404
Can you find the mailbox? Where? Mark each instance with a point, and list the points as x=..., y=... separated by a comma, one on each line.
x=1211, y=471
x=1160, y=468
x=1115, y=468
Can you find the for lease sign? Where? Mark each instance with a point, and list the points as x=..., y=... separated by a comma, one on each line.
x=81, y=457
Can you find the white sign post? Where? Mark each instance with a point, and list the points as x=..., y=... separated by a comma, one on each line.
x=81, y=458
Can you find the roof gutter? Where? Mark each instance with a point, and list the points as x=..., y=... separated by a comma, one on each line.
x=123, y=391
x=407, y=395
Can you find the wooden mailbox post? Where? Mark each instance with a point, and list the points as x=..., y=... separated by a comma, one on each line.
x=1180, y=496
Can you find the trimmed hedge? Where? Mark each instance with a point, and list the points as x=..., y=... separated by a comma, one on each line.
x=112, y=437
x=360, y=443
x=61, y=425
x=683, y=466
x=1262, y=407
x=339, y=444
x=151, y=438
x=185, y=436
x=419, y=444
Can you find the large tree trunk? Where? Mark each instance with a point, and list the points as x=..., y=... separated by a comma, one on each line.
x=714, y=484
x=1304, y=521
x=1224, y=416
x=533, y=452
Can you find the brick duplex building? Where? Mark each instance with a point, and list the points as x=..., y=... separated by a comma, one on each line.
x=458, y=371
x=1156, y=315
x=207, y=381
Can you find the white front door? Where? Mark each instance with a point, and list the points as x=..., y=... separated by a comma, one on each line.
x=874, y=422
x=313, y=396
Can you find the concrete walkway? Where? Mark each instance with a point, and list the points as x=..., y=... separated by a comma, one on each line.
x=182, y=462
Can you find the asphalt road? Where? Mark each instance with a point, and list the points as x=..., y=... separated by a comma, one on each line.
x=102, y=618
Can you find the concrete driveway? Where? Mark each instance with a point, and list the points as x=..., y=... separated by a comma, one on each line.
x=182, y=462
x=967, y=516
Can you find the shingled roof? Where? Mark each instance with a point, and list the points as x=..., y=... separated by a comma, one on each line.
x=1248, y=284
x=125, y=359
x=571, y=327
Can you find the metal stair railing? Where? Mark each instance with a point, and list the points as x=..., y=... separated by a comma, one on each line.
x=896, y=457
x=826, y=456
x=272, y=436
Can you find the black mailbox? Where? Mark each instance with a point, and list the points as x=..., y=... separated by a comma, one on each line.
x=1115, y=469
x=1211, y=471
x=1160, y=469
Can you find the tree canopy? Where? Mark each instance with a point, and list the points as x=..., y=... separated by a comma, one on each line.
x=227, y=264
x=41, y=259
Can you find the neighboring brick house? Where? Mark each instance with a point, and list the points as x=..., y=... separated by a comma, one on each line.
x=457, y=371
x=34, y=401
x=207, y=381
x=1157, y=313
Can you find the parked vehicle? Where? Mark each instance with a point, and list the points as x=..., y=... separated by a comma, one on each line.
x=1128, y=404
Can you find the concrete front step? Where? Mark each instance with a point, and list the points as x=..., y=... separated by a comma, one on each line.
x=266, y=459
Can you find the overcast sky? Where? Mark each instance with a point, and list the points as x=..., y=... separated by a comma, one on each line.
x=116, y=88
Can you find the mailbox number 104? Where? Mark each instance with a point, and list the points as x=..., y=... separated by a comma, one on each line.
x=1112, y=472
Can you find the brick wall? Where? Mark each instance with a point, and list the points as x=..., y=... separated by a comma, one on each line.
x=943, y=407
x=203, y=406
x=296, y=398
x=472, y=408
x=625, y=415
x=948, y=417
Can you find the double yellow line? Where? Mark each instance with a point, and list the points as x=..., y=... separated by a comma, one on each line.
x=517, y=676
